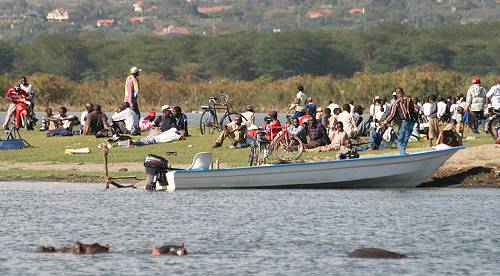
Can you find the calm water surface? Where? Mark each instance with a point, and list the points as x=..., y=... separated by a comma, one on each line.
x=259, y=232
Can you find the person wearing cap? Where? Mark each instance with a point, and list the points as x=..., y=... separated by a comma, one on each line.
x=249, y=116
x=132, y=90
x=165, y=121
x=394, y=98
x=124, y=120
x=145, y=123
x=235, y=130
x=476, y=101
x=13, y=95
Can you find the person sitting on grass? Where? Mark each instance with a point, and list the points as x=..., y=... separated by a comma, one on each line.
x=347, y=151
x=339, y=135
x=63, y=120
x=236, y=131
x=180, y=121
x=124, y=119
x=97, y=123
x=317, y=135
x=145, y=123
x=298, y=130
x=47, y=124
x=165, y=121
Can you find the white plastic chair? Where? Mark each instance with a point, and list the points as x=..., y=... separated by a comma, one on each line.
x=201, y=161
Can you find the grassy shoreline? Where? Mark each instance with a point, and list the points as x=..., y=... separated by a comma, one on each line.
x=45, y=161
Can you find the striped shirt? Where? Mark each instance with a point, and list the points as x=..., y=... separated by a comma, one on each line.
x=404, y=109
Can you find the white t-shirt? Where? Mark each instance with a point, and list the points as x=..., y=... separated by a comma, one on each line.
x=453, y=111
x=127, y=115
x=494, y=96
x=302, y=96
x=426, y=108
x=441, y=109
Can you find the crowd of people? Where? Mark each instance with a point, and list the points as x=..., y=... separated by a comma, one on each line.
x=329, y=128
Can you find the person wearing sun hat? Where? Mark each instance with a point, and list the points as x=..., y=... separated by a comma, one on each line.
x=132, y=89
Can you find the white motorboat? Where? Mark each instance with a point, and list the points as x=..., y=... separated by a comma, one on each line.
x=388, y=171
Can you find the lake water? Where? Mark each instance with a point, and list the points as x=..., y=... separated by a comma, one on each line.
x=259, y=232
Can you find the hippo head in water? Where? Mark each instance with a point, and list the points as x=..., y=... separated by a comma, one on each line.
x=80, y=248
x=177, y=250
x=376, y=253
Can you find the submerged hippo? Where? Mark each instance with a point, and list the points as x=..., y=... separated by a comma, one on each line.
x=177, y=250
x=77, y=248
x=375, y=253
x=80, y=248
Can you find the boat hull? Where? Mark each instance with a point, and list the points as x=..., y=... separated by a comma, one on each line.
x=394, y=171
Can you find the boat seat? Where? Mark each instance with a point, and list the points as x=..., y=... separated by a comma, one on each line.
x=201, y=161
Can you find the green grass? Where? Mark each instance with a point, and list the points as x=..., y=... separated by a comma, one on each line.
x=51, y=150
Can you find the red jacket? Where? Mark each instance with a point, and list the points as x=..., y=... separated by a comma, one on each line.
x=14, y=96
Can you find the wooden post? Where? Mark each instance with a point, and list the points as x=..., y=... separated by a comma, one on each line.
x=105, y=152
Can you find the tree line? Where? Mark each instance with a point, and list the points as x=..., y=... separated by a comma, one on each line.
x=471, y=49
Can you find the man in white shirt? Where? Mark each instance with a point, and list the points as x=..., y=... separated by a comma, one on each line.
x=441, y=105
x=426, y=108
x=127, y=116
x=249, y=116
x=494, y=95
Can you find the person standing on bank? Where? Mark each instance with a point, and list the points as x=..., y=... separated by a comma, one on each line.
x=406, y=113
x=476, y=101
x=132, y=91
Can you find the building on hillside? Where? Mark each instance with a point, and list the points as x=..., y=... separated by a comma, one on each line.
x=135, y=20
x=12, y=19
x=59, y=14
x=324, y=11
x=276, y=30
x=173, y=30
x=213, y=9
x=357, y=11
x=137, y=7
x=106, y=22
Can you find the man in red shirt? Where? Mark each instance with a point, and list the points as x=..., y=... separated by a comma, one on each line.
x=274, y=127
x=14, y=95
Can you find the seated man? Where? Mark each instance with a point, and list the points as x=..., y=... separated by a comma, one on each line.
x=338, y=138
x=47, y=124
x=347, y=151
x=97, y=123
x=165, y=121
x=317, y=135
x=298, y=130
x=274, y=127
x=63, y=120
x=375, y=137
x=249, y=115
x=146, y=122
x=180, y=121
x=236, y=130
x=124, y=120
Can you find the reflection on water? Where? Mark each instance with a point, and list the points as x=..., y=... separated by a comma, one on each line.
x=452, y=231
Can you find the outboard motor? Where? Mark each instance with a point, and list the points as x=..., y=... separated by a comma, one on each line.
x=156, y=169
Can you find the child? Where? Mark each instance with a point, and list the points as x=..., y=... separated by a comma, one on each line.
x=459, y=118
x=47, y=124
x=347, y=151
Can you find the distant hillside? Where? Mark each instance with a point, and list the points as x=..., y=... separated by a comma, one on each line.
x=22, y=20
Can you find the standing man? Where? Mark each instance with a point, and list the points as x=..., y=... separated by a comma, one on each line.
x=132, y=91
x=433, y=119
x=476, y=101
x=404, y=109
x=494, y=95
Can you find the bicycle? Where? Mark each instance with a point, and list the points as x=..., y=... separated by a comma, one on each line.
x=209, y=121
x=286, y=146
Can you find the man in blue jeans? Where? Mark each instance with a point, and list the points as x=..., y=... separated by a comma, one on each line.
x=406, y=112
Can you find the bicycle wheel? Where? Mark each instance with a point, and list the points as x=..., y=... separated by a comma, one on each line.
x=263, y=153
x=288, y=149
x=229, y=117
x=252, y=155
x=207, y=122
